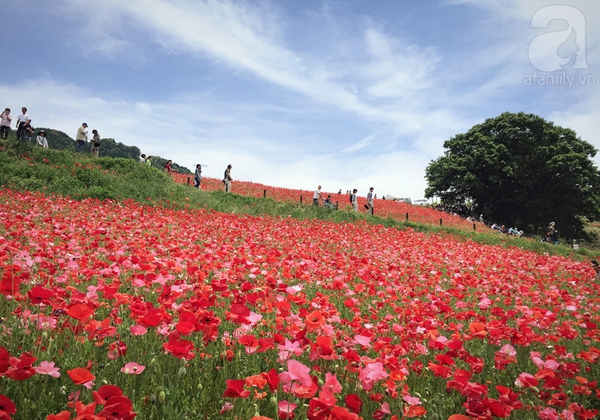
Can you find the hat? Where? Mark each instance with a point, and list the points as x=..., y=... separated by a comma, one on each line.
x=42, y=132
x=84, y=124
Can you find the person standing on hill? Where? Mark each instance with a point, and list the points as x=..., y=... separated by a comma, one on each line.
x=5, y=121
x=370, y=201
x=41, y=139
x=354, y=200
x=168, y=169
x=95, y=143
x=551, y=233
x=227, y=178
x=23, y=121
x=316, y=196
x=198, y=176
x=148, y=161
x=81, y=137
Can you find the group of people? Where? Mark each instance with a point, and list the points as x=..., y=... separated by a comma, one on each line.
x=25, y=131
x=82, y=139
x=353, y=198
x=23, y=125
x=509, y=231
x=550, y=237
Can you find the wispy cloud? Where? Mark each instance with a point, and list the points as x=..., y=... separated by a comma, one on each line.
x=361, y=144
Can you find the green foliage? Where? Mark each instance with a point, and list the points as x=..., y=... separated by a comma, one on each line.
x=520, y=170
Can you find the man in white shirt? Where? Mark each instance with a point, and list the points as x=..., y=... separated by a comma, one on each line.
x=23, y=121
x=6, y=119
x=81, y=137
x=316, y=196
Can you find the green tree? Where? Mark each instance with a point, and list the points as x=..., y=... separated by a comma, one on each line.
x=522, y=171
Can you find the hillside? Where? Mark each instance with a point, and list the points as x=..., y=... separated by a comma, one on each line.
x=59, y=140
x=81, y=176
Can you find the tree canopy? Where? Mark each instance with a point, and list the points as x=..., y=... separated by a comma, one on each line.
x=522, y=171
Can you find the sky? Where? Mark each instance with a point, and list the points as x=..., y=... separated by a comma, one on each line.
x=342, y=93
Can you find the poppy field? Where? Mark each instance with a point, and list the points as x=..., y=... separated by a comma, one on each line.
x=120, y=310
x=383, y=208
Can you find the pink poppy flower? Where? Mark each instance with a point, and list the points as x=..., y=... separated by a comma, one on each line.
x=362, y=340
x=285, y=409
x=548, y=414
x=299, y=372
x=47, y=368
x=138, y=330
x=132, y=368
x=371, y=374
x=412, y=400
x=508, y=350
x=332, y=384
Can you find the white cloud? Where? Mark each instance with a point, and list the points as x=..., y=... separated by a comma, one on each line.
x=361, y=144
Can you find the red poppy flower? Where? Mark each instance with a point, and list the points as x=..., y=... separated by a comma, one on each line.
x=354, y=403
x=21, y=367
x=63, y=415
x=235, y=389
x=80, y=375
x=7, y=405
x=182, y=349
x=80, y=312
x=40, y=295
x=314, y=321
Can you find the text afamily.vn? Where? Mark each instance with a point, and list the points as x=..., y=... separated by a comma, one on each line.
x=559, y=79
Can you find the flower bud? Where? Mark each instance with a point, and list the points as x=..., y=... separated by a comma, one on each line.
x=161, y=397
x=273, y=401
x=182, y=372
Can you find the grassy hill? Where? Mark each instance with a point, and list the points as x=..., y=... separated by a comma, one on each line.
x=59, y=140
x=81, y=176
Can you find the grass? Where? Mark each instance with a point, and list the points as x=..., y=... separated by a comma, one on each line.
x=81, y=176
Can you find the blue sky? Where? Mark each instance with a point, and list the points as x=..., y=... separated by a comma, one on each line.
x=346, y=94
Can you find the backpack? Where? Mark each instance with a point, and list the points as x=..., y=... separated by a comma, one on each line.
x=350, y=197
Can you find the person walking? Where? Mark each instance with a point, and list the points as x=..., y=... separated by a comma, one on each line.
x=168, y=169
x=148, y=161
x=41, y=139
x=23, y=122
x=142, y=158
x=81, y=137
x=96, y=143
x=316, y=196
x=354, y=200
x=198, y=176
x=370, y=202
x=5, y=121
x=227, y=178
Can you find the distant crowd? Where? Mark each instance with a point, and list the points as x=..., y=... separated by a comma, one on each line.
x=26, y=132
